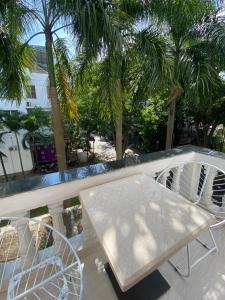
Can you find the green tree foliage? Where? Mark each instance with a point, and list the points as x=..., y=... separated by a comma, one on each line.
x=193, y=31
x=207, y=113
x=34, y=122
x=91, y=23
x=16, y=59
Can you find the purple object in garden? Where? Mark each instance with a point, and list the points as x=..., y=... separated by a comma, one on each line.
x=46, y=153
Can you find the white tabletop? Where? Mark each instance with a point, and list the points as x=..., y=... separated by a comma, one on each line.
x=141, y=224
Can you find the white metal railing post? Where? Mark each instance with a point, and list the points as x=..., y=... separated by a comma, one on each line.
x=206, y=198
x=177, y=172
x=164, y=177
x=192, y=174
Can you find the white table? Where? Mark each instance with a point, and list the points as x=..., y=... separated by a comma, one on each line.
x=141, y=224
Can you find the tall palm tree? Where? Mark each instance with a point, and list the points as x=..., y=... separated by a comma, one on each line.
x=90, y=22
x=121, y=75
x=13, y=124
x=196, y=41
x=194, y=32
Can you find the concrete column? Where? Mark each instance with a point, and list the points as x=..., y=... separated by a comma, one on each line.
x=88, y=233
x=26, y=241
x=55, y=211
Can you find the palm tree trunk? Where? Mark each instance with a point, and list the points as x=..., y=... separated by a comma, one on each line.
x=19, y=152
x=175, y=94
x=197, y=133
x=119, y=131
x=222, y=141
x=125, y=139
x=56, y=114
x=3, y=167
x=205, y=135
x=210, y=135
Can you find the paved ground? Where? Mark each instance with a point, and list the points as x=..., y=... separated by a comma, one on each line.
x=105, y=151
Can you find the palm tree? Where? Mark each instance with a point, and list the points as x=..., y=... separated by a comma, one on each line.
x=196, y=41
x=88, y=21
x=121, y=75
x=13, y=123
x=194, y=34
x=112, y=94
x=15, y=58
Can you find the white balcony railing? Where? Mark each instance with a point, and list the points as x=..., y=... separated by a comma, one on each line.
x=53, y=195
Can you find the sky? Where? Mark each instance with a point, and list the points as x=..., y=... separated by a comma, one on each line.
x=40, y=41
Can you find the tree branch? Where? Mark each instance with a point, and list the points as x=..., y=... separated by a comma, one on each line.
x=38, y=17
x=56, y=36
x=40, y=32
x=54, y=31
x=55, y=19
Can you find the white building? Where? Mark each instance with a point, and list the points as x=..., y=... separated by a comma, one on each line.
x=38, y=97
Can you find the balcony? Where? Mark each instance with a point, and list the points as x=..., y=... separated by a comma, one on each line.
x=207, y=280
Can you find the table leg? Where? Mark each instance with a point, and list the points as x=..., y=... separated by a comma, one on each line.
x=152, y=287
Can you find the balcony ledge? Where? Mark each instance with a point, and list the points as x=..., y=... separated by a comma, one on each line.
x=39, y=182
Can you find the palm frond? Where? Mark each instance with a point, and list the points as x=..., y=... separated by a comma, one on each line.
x=93, y=25
x=15, y=62
x=65, y=81
x=110, y=85
x=12, y=122
x=199, y=76
x=209, y=33
x=154, y=58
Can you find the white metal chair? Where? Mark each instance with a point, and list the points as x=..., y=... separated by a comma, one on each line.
x=204, y=185
x=37, y=262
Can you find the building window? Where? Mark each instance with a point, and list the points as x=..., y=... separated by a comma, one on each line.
x=8, y=112
x=32, y=92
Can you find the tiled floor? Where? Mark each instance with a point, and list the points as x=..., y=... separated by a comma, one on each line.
x=207, y=280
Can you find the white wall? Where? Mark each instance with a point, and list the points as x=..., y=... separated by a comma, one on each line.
x=12, y=164
x=40, y=80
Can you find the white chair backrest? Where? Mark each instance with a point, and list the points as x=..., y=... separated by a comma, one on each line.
x=199, y=182
x=37, y=262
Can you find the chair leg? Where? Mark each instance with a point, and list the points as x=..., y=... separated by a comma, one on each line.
x=191, y=266
x=178, y=269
